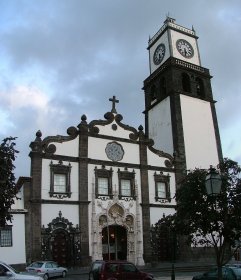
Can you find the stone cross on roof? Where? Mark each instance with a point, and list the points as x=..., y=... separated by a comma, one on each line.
x=113, y=100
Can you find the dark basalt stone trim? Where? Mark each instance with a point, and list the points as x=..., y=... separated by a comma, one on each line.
x=110, y=117
x=51, y=148
x=75, y=202
x=178, y=63
x=168, y=163
x=60, y=157
x=130, y=165
x=162, y=206
x=134, y=135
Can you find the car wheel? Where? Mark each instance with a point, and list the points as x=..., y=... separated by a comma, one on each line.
x=64, y=273
x=46, y=276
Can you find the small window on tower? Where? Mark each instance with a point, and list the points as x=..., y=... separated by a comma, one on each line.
x=153, y=94
x=163, y=89
x=200, y=88
x=103, y=183
x=126, y=185
x=60, y=180
x=162, y=187
x=186, y=85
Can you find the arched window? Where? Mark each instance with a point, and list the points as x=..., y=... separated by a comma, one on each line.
x=163, y=88
x=200, y=87
x=186, y=86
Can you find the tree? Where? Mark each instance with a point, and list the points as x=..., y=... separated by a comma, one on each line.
x=8, y=189
x=163, y=239
x=207, y=220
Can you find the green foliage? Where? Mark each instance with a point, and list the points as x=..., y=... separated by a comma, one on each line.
x=8, y=188
x=207, y=220
x=163, y=239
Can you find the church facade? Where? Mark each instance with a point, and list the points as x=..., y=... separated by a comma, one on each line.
x=95, y=192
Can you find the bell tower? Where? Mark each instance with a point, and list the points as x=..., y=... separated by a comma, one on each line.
x=180, y=114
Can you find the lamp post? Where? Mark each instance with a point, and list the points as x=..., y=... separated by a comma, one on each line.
x=213, y=182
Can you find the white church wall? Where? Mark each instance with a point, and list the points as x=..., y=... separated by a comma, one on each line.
x=199, y=137
x=157, y=213
x=96, y=150
x=154, y=159
x=160, y=126
x=119, y=132
x=46, y=179
x=51, y=211
x=70, y=148
x=16, y=253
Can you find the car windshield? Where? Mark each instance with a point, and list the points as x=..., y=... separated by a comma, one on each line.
x=11, y=268
x=236, y=270
x=96, y=266
x=36, y=264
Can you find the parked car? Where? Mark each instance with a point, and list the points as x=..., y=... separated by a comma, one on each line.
x=228, y=274
x=103, y=270
x=47, y=269
x=7, y=272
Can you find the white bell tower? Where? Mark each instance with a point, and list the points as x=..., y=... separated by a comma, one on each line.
x=180, y=113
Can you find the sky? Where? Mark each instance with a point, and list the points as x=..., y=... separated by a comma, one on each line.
x=60, y=59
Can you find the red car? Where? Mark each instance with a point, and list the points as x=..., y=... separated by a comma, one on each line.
x=118, y=270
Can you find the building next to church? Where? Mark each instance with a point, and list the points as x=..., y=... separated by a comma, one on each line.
x=95, y=192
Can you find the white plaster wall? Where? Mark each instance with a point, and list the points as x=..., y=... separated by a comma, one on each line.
x=152, y=192
x=199, y=135
x=158, y=212
x=96, y=150
x=16, y=253
x=162, y=40
x=120, y=132
x=160, y=126
x=46, y=179
x=176, y=36
x=51, y=211
x=154, y=159
x=69, y=148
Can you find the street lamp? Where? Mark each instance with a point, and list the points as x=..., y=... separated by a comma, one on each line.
x=213, y=182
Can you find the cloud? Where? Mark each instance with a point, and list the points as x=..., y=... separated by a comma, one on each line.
x=63, y=58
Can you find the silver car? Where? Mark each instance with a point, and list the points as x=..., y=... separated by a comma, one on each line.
x=7, y=272
x=47, y=269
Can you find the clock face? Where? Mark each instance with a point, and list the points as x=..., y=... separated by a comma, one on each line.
x=159, y=54
x=184, y=48
x=114, y=151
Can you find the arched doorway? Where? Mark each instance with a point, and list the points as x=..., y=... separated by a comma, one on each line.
x=114, y=243
x=61, y=241
x=60, y=247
